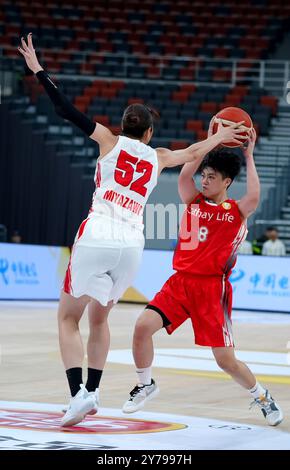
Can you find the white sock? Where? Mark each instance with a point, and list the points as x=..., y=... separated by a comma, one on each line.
x=257, y=391
x=144, y=376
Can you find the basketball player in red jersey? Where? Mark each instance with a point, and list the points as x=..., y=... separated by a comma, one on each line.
x=211, y=231
x=109, y=243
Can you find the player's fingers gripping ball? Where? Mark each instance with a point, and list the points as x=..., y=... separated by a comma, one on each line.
x=232, y=115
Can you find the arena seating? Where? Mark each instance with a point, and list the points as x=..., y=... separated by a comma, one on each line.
x=76, y=40
x=185, y=109
x=168, y=41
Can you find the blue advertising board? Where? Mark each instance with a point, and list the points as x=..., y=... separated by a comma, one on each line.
x=262, y=283
x=37, y=272
x=31, y=271
x=259, y=282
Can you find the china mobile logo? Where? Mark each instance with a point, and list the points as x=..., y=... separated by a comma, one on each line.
x=4, y=269
x=17, y=271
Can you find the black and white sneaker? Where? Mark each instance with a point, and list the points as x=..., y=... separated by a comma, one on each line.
x=270, y=409
x=139, y=395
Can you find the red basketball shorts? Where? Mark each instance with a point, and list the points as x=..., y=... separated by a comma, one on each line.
x=206, y=300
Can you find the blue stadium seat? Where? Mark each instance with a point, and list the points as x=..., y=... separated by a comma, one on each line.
x=136, y=72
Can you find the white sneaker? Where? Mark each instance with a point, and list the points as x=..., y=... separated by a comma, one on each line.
x=139, y=395
x=96, y=397
x=94, y=394
x=79, y=406
x=270, y=409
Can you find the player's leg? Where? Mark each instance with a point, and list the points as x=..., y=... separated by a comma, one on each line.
x=86, y=279
x=123, y=276
x=147, y=324
x=165, y=310
x=69, y=314
x=70, y=311
x=239, y=371
x=97, y=346
x=226, y=360
x=99, y=335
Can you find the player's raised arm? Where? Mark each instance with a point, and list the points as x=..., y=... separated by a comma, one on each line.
x=170, y=158
x=62, y=105
x=249, y=203
x=186, y=185
x=196, y=152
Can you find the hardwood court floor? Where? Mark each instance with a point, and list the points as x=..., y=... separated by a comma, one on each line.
x=31, y=368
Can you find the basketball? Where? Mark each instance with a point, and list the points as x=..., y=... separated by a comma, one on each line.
x=231, y=115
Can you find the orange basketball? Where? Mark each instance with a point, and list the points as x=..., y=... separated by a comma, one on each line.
x=230, y=115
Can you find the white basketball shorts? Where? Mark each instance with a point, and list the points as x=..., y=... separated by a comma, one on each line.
x=103, y=271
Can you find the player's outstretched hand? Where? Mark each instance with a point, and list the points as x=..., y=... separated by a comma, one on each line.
x=28, y=52
x=231, y=133
x=249, y=149
x=210, y=127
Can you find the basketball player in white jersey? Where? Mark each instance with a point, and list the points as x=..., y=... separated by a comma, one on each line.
x=109, y=243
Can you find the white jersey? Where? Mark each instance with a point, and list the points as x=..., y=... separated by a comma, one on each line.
x=125, y=178
x=108, y=246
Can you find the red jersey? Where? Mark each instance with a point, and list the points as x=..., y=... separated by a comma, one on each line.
x=209, y=238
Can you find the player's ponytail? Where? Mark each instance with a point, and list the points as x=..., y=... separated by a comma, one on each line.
x=137, y=118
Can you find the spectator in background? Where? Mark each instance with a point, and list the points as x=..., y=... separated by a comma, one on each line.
x=16, y=237
x=259, y=242
x=245, y=248
x=274, y=246
x=3, y=234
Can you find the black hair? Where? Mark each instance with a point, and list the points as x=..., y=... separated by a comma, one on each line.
x=271, y=228
x=224, y=161
x=137, y=118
